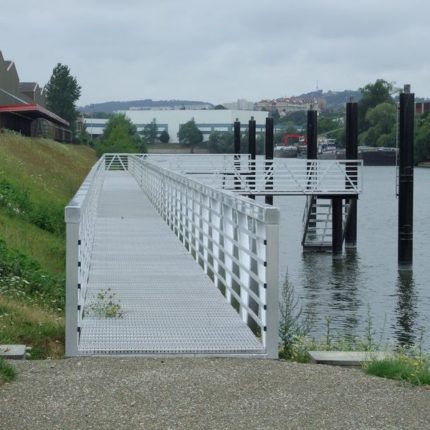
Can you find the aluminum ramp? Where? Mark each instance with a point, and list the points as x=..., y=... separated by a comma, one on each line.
x=169, y=304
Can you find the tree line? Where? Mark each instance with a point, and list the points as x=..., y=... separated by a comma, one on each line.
x=377, y=122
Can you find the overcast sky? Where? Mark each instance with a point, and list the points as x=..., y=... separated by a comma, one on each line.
x=218, y=50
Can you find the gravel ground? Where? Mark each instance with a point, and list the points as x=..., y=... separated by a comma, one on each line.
x=187, y=393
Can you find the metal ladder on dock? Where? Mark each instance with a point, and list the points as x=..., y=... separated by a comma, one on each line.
x=317, y=223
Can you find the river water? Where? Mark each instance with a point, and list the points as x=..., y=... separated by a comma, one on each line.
x=366, y=281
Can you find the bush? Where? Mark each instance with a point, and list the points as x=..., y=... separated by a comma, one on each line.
x=402, y=368
x=32, y=326
x=294, y=326
x=43, y=214
x=23, y=278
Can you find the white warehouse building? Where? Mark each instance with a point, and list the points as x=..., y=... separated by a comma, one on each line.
x=170, y=120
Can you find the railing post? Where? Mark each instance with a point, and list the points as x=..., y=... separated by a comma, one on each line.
x=245, y=265
x=215, y=238
x=228, y=240
x=272, y=282
x=205, y=219
x=72, y=216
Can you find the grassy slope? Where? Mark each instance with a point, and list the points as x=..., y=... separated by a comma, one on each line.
x=48, y=173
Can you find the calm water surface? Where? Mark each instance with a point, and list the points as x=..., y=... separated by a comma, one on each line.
x=366, y=280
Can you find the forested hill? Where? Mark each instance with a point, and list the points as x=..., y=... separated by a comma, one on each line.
x=112, y=106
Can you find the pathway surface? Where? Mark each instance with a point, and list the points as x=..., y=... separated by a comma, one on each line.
x=184, y=393
x=169, y=304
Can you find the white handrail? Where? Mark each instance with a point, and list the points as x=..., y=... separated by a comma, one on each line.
x=80, y=216
x=234, y=239
x=279, y=176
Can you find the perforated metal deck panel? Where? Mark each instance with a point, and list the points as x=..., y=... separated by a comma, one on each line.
x=169, y=304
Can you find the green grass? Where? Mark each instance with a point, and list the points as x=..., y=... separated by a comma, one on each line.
x=33, y=326
x=7, y=371
x=414, y=370
x=42, y=246
x=37, y=179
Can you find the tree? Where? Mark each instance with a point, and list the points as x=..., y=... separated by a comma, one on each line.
x=190, y=135
x=164, y=137
x=62, y=92
x=219, y=107
x=422, y=138
x=150, y=132
x=120, y=119
x=119, y=135
x=382, y=126
x=327, y=124
x=372, y=95
x=221, y=142
x=297, y=117
x=83, y=137
x=259, y=143
x=291, y=127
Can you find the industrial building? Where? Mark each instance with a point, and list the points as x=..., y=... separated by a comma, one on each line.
x=207, y=121
x=22, y=107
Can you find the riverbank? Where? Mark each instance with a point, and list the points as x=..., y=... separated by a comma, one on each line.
x=186, y=393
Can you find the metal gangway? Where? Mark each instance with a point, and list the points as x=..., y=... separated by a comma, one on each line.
x=166, y=255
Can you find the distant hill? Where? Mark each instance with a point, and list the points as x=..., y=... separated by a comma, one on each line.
x=113, y=106
x=334, y=99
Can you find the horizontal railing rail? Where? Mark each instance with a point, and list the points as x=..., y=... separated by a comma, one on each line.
x=234, y=239
x=240, y=174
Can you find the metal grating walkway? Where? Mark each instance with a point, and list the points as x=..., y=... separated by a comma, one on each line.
x=170, y=306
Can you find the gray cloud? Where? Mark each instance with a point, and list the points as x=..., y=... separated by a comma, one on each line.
x=218, y=50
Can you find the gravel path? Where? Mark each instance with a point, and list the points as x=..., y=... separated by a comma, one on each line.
x=186, y=393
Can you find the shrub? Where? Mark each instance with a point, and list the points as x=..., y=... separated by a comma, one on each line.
x=7, y=371
x=294, y=326
x=44, y=214
x=402, y=368
x=23, y=278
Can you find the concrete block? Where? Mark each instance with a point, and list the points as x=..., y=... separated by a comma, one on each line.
x=346, y=358
x=13, y=352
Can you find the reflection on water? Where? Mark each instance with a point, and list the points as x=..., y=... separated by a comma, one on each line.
x=406, y=312
x=366, y=280
x=340, y=285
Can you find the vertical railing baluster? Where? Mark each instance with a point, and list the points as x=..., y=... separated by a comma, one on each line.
x=244, y=264
x=228, y=232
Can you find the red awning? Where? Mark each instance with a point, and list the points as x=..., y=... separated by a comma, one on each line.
x=34, y=111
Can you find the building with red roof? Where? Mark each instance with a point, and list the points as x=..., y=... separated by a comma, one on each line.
x=22, y=107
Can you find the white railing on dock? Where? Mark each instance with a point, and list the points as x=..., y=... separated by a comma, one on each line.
x=234, y=239
x=80, y=216
x=280, y=176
